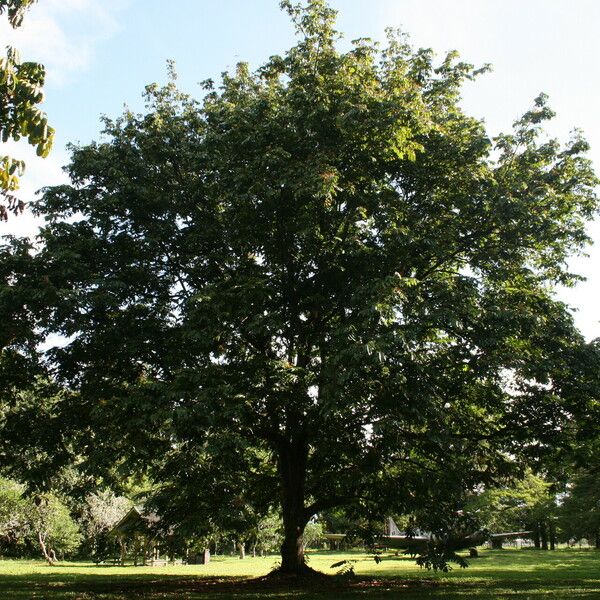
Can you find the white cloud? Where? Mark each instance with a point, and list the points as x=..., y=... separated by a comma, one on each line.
x=64, y=34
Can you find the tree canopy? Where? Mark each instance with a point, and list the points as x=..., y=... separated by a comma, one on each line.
x=323, y=285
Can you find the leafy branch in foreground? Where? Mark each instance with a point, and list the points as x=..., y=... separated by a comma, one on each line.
x=21, y=86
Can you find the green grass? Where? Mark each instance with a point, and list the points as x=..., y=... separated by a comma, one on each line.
x=505, y=574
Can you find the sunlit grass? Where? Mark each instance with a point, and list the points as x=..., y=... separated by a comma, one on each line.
x=507, y=574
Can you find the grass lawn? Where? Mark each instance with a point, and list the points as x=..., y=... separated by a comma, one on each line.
x=509, y=574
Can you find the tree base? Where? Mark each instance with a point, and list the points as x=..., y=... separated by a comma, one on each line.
x=303, y=573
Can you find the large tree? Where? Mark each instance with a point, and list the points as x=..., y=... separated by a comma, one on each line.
x=322, y=286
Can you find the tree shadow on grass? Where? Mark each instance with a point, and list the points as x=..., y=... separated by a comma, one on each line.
x=128, y=587
x=506, y=575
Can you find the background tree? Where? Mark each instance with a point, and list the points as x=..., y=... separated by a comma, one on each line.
x=313, y=535
x=325, y=280
x=579, y=513
x=21, y=86
x=13, y=517
x=267, y=535
x=528, y=504
x=100, y=512
x=42, y=522
x=53, y=528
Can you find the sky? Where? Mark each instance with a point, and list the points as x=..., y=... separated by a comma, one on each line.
x=99, y=55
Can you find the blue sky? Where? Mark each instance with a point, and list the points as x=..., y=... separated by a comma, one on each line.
x=101, y=53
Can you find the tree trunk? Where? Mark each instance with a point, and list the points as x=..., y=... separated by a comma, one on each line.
x=496, y=544
x=544, y=535
x=536, y=536
x=49, y=556
x=292, y=549
x=242, y=550
x=292, y=468
x=552, y=532
x=597, y=539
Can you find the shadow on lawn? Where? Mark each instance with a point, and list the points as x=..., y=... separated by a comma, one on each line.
x=497, y=575
x=178, y=588
x=55, y=587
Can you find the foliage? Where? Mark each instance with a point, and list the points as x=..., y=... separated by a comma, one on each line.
x=18, y=340
x=325, y=281
x=41, y=521
x=20, y=92
x=101, y=511
x=313, y=535
x=36, y=429
x=345, y=567
x=15, y=10
x=579, y=512
x=13, y=517
x=33, y=447
x=267, y=535
x=335, y=520
x=514, y=507
x=438, y=557
x=52, y=525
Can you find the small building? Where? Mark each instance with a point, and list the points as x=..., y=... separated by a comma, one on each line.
x=141, y=541
x=136, y=534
